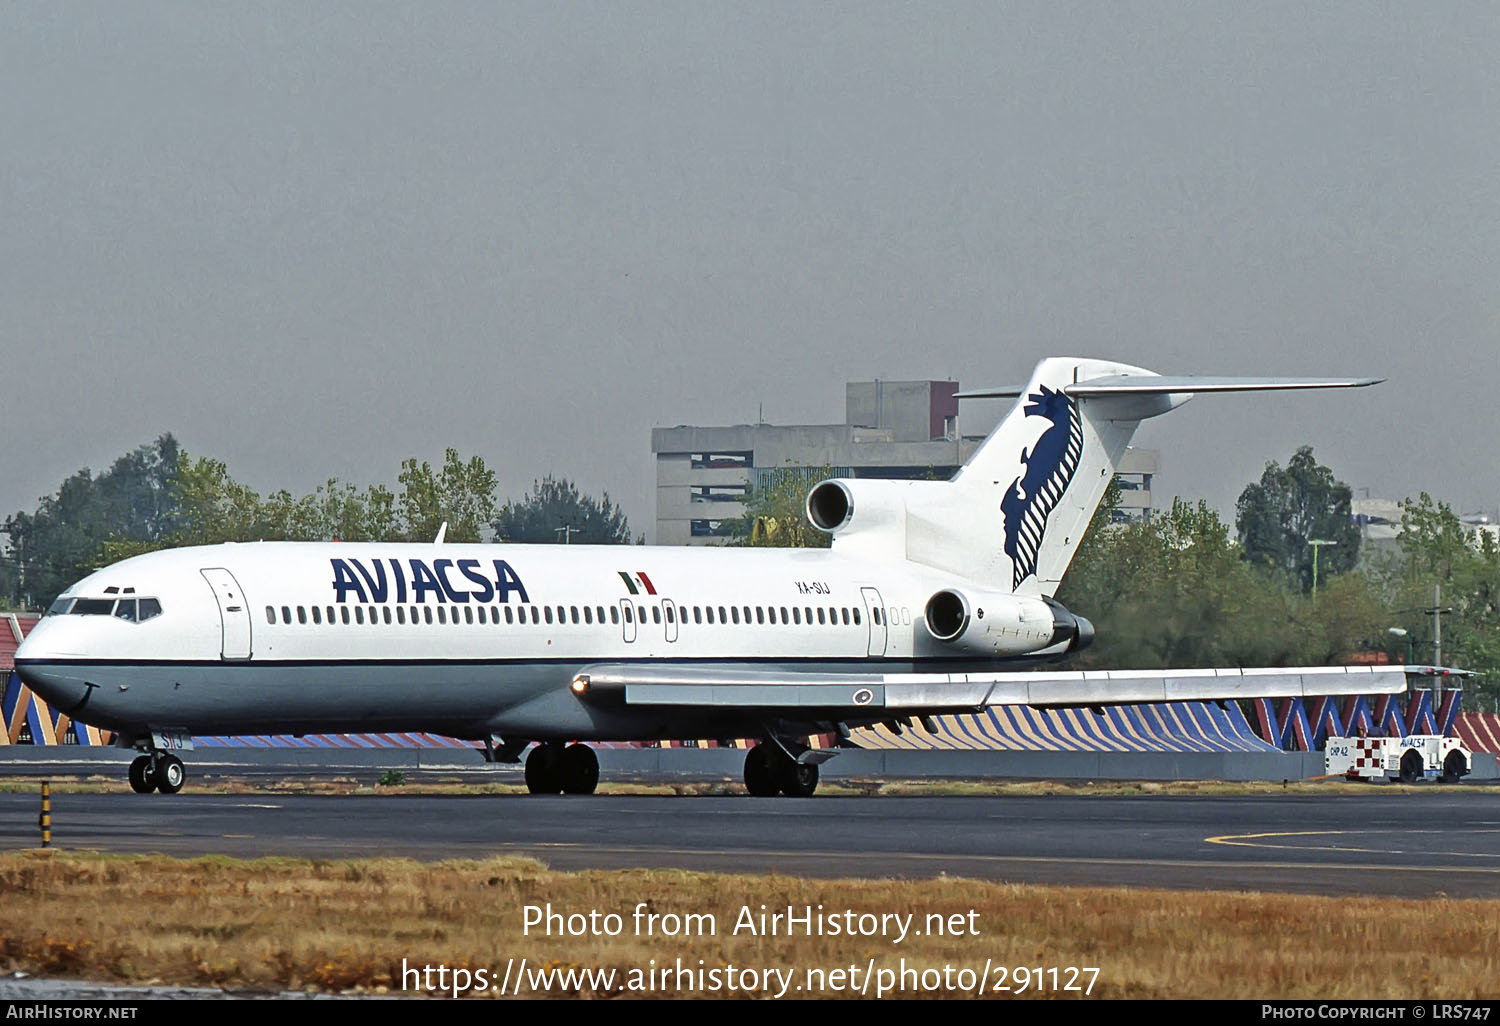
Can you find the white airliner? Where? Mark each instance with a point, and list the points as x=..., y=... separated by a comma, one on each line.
x=936, y=597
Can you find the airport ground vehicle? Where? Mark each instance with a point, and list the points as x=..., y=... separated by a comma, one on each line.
x=1407, y=759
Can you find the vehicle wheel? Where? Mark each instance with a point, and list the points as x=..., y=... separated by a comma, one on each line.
x=169, y=774
x=1453, y=768
x=1411, y=767
x=580, y=770
x=140, y=775
x=761, y=776
x=798, y=780
x=543, y=772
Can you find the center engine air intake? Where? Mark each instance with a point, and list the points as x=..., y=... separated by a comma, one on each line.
x=830, y=506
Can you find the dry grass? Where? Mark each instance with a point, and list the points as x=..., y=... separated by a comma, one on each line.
x=337, y=925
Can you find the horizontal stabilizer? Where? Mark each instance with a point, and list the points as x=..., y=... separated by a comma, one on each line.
x=1157, y=384
x=851, y=696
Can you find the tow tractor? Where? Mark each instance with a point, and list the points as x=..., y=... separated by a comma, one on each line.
x=1407, y=759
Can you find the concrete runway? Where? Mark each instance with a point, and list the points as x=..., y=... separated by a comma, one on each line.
x=1438, y=842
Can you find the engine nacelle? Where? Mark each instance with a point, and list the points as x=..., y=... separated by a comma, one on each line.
x=842, y=506
x=992, y=623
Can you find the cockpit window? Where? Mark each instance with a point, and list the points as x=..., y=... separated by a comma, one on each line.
x=132, y=610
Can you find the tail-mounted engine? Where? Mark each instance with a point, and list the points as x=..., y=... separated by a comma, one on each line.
x=989, y=623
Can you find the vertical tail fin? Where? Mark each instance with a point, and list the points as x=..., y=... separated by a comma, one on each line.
x=1024, y=499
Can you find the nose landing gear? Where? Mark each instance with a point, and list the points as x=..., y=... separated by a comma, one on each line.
x=157, y=771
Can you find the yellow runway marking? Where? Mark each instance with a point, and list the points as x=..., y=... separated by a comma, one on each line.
x=1261, y=841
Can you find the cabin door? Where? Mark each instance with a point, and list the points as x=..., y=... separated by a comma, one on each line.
x=234, y=612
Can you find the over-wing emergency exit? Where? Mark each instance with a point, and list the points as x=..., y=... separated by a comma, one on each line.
x=936, y=597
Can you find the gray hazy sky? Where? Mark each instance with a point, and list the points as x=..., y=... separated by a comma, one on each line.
x=312, y=239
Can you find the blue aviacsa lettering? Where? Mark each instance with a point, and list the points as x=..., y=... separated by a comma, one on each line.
x=417, y=578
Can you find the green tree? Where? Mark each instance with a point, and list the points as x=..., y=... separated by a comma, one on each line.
x=1174, y=592
x=1278, y=516
x=59, y=542
x=461, y=494
x=1435, y=551
x=776, y=509
x=555, y=509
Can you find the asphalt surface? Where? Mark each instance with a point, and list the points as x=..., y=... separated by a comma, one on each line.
x=1437, y=842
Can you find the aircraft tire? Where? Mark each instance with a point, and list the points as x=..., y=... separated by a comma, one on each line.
x=762, y=778
x=580, y=770
x=140, y=775
x=1411, y=767
x=169, y=774
x=544, y=770
x=798, y=780
x=1453, y=768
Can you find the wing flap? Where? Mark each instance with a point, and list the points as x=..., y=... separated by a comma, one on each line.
x=718, y=687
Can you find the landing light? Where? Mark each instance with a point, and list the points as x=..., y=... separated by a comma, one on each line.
x=580, y=684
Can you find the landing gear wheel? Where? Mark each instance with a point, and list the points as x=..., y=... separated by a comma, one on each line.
x=762, y=776
x=1411, y=767
x=798, y=780
x=1453, y=768
x=544, y=769
x=580, y=770
x=140, y=775
x=169, y=774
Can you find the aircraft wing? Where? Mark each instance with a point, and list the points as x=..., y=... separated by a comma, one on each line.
x=709, y=686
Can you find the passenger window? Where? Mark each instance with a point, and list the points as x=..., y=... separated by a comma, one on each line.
x=600, y=613
x=151, y=607
x=614, y=615
x=697, y=614
x=760, y=615
x=796, y=615
x=481, y=612
x=820, y=615
x=270, y=614
x=359, y=614
x=734, y=611
x=547, y=612
x=427, y=614
x=536, y=616
x=747, y=614
x=317, y=615
x=301, y=615
x=846, y=617
x=344, y=614
x=588, y=615
x=401, y=614
x=509, y=616
x=468, y=614
x=286, y=614
x=670, y=615
x=573, y=611
x=875, y=613
x=385, y=613
x=331, y=616
x=725, y=619
x=656, y=614
x=710, y=611
x=807, y=613
x=442, y=614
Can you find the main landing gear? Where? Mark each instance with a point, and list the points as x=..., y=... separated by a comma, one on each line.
x=157, y=771
x=770, y=770
x=552, y=767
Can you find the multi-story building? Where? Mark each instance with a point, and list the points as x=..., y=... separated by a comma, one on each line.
x=891, y=429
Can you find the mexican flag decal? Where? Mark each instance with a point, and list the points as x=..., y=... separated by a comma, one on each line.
x=637, y=582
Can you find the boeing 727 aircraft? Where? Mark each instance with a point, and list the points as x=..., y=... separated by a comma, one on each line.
x=936, y=597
